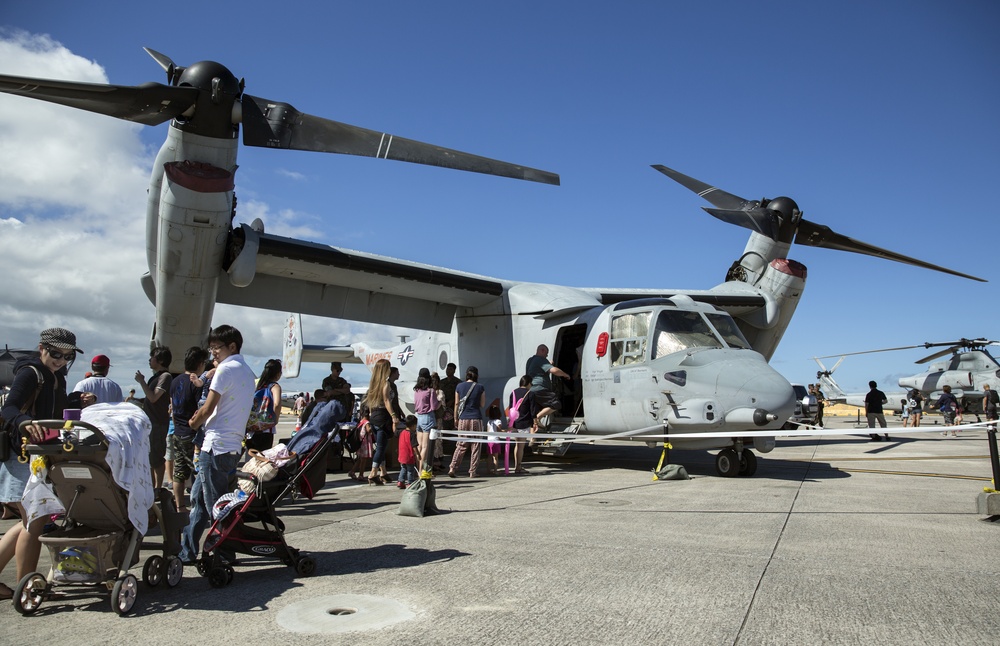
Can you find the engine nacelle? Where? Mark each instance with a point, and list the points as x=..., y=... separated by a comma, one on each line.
x=195, y=212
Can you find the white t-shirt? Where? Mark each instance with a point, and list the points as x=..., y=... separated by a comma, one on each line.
x=235, y=383
x=106, y=390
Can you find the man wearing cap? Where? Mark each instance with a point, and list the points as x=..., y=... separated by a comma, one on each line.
x=105, y=389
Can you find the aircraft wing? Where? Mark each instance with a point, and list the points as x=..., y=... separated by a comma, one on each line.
x=735, y=301
x=322, y=280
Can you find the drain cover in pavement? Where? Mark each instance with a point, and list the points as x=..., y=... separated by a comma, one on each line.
x=343, y=613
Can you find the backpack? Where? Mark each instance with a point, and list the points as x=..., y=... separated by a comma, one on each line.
x=994, y=398
x=515, y=409
x=352, y=439
x=262, y=417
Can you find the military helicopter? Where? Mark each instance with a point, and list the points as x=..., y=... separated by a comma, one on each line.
x=674, y=361
x=834, y=393
x=969, y=368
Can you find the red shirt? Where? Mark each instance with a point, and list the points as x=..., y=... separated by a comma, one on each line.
x=406, y=454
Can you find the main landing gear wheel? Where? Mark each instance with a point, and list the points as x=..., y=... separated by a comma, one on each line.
x=727, y=463
x=152, y=571
x=29, y=593
x=748, y=463
x=124, y=593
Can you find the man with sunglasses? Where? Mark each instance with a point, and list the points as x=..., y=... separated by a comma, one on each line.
x=224, y=416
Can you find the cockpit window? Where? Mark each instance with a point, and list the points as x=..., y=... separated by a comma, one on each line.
x=677, y=330
x=727, y=329
x=628, y=338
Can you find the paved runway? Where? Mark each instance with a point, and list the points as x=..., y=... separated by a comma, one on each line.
x=836, y=540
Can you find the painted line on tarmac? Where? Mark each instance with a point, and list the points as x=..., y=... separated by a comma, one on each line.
x=950, y=476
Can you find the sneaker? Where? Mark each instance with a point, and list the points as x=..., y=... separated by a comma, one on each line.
x=400, y=485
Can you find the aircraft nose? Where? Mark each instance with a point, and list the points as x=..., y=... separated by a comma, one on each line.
x=764, y=389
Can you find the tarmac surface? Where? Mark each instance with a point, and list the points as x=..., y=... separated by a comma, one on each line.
x=836, y=540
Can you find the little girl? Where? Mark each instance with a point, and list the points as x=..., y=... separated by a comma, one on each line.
x=365, y=450
x=493, y=429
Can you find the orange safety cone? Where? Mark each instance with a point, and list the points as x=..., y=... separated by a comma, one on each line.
x=298, y=426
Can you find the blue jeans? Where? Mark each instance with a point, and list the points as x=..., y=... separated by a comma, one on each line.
x=381, y=444
x=211, y=481
x=407, y=474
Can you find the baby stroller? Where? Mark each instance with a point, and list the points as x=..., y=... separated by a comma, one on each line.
x=247, y=523
x=101, y=532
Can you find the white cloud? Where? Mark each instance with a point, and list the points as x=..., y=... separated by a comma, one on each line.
x=72, y=226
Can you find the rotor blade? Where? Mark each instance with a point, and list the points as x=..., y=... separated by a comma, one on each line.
x=279, y=125
x=851, y=354
x=938, y=354
x=818, y=235
x=716, y=196
x=150, y=104
x=759, y=220
x=162, y=59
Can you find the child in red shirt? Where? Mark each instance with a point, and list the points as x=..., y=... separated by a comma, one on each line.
x=408, y=453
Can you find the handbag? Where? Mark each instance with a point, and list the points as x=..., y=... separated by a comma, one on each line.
x=10, y=440
x=258, y=466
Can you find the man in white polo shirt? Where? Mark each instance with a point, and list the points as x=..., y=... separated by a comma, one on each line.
x=224, y=416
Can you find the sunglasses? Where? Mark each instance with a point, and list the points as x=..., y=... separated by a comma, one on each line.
x=57, y=355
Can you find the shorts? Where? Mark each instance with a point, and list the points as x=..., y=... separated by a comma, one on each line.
x=541, y=399
x=183, y=451
x=493, y=448
x=157, y=445
x=949, y=417
x=168, y=455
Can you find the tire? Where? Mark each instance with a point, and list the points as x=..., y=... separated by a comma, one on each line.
x=173, y=571
x=124, y=593
x=218, y=578
x=152, y=571
x=306, y=566
x=29, y=593
x=748, y=463
x=727, y=463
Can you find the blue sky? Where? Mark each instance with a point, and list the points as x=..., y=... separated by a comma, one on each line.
x=879, y=119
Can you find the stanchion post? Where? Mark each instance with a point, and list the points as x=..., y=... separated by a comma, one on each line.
x=991, y=437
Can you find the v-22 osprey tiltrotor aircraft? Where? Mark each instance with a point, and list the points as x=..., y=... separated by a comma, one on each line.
x=691, y=364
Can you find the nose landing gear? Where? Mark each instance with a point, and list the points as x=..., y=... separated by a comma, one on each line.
x=733, y=462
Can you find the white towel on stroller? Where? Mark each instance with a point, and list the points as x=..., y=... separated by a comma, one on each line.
x=127, y=429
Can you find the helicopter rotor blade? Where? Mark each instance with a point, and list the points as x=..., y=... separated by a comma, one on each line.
x=939, y=354
x=716, y=196
x=780, y=218
x=818, y=235
x=149, y=104
x=168, y=65
x=273, y=124
x=851, y=354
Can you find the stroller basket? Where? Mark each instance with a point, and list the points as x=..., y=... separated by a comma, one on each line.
x=85, y=555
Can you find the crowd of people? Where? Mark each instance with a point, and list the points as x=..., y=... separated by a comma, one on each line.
x=198, y=426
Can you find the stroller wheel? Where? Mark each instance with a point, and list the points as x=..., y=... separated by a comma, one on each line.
x=29, y=593
x=124, y=593
x=306, y=566
x=219, y=578
x=200, y=566
x=174, y=570
x=152, y=571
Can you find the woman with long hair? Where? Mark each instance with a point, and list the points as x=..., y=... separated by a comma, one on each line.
x=425, y=403
x=381, y=403
x=269, y=376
